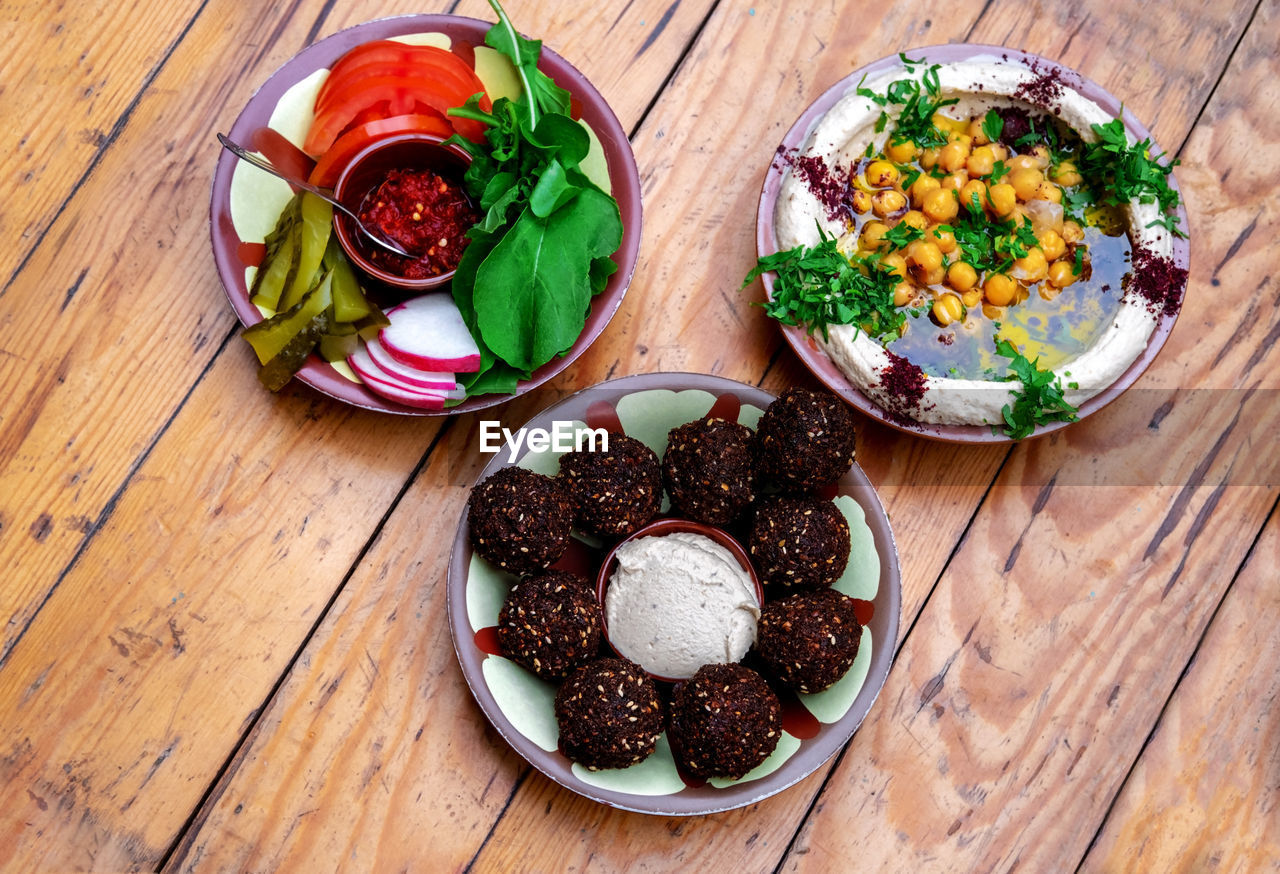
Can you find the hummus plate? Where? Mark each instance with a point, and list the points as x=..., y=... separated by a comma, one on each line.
x=837, y=128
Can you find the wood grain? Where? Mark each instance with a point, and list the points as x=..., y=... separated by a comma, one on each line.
x=71, y=73
x=1203, y=795
x=1061, y=626
x=236, y=473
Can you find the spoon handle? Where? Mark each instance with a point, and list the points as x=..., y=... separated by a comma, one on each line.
x=323, y=193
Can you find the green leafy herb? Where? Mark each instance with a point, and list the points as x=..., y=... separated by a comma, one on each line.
x=998, y=171
x=918, y=99
x=989, y=244
x=1041, y=399
x=1124, y=172
x=992, y=125
x=541, y=250
x=819, y=286
x=901, y=234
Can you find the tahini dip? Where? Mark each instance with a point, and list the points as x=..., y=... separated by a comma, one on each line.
x=679, y=601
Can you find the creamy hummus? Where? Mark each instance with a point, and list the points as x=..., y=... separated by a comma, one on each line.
x=679, y=601
x=840, y=138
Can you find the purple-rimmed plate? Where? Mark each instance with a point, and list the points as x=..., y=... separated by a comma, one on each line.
x=520, y=706
x=244, y=207
x=808, y=350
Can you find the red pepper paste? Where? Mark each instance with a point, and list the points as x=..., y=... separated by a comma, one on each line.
x=427, y=214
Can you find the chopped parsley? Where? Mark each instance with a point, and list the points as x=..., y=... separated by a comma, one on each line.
x=901, y=234
x=992, y=125
x=919, y=100
x=1041, y=400
x=818, y=286
x=1122, y=172
x=989, y=244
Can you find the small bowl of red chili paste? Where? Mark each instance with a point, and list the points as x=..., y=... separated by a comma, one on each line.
x=409, y=188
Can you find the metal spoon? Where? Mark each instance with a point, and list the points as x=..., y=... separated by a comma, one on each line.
x=324, y=194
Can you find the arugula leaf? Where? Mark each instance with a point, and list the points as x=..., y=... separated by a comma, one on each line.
x=533, y=290
x=1041, y=400
x=543, y=247
x=816, y=287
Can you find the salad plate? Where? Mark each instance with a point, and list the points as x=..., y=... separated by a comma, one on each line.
x=246, y=202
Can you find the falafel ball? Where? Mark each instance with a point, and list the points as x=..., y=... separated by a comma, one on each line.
x=725, y=720
x=609, y=714
x=799, y=542
x=805, y=440
x=708, y=470
x=550, y=623
x=519, y=520
x=614, y=491
x=808, y=640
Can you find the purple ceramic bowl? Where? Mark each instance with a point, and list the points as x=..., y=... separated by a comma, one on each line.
x=807, y=349
x=362, y=175
x=232, y=255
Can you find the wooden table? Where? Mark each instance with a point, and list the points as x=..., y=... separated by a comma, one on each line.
x=224, y=644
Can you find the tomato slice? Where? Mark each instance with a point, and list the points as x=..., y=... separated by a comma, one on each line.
x=385, y=57
x=402, y=95
x=330, y=165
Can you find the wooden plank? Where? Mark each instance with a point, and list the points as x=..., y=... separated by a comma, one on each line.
x=1035, y=672
x=71, y=72
x=1202, y=796
x=172, y=659
x=120, y=309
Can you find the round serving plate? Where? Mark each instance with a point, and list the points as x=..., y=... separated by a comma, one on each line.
x=806, y=347
x=239, y=223
x=520, y=706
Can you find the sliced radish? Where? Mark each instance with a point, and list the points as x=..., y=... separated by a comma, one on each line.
x=428, y=333
x=421, y=378
x=391, y=388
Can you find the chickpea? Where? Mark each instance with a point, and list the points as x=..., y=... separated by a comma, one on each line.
x=881, y=174
x=1000, y=290
x=1052, y=244
x=1066, y=174
x=887, y=201
x=1002, y=199
x=981, y=162
x=971, y=298
x=953, y=156
x=941, y=205
x=976, y=133
x=1062, y=274
x=999, y=151
x=1048, y=191
x=921, y=188
x=934, y=276
x=961, y=276
x=1033, y=265
x=860, y=200
x=873, y=235
x=903, y=152
x=928, y=158
x=903, y=292
x=1049, y=291
x=1025, y=182
x=895, y=263
x=924, y=255
x=945, y=239
x=993, y=312
x=1072, y=232
x=947, y=309
x=1022, y=162
x=974, y=188
x=1041, y=153
x=955, y=181
x=914, y=218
